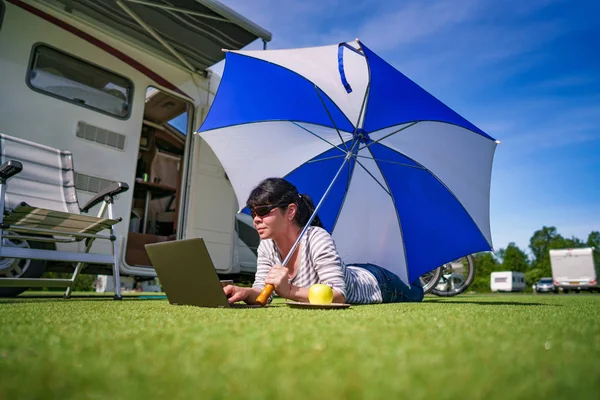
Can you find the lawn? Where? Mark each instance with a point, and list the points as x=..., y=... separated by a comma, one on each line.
x=471, y=347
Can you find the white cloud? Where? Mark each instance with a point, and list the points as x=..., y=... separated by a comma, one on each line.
x=414, y=21
x=568, y=81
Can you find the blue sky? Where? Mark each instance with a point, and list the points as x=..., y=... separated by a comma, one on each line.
x=525, y=72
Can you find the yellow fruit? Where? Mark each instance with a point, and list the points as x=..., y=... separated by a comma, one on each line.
x=320, y=294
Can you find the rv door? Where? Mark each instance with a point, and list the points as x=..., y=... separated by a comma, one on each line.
x=186, y=173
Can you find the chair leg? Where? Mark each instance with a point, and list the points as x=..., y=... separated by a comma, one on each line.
x=116, y=273
x=78, y=269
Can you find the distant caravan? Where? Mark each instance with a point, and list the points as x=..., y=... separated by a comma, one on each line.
x=576, y=269
x=507, y=281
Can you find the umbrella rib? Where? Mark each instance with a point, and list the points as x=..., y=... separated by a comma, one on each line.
x=362, y=107
x=392, y=162
x=330, y=117
x=350, y=175
x=325, y=140
x=375, y=179
x=397, y=213
x=325, y=159
x=387, y=136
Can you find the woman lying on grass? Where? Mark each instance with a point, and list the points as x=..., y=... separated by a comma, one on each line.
x=280, y=213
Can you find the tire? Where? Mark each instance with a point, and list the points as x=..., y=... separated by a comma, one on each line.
x=470, y=275
x=23, y=268
x=430, y=279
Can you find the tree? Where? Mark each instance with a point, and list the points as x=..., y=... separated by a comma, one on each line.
x=532, y=276
x=485, y=264
x=545, y=240
x=540, y=242
x=593, y=240
x=513, y=258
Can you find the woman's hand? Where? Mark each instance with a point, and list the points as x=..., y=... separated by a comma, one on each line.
x=278, y=277
x=235, y=293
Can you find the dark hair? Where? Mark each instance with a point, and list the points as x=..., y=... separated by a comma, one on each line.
x=279, y=191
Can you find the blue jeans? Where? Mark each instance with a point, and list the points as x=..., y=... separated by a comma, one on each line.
x=393, y=290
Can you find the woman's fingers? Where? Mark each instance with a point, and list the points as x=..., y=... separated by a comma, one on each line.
x=276, y=276
x=234, y=293
x=228, y=290
x=237, y=296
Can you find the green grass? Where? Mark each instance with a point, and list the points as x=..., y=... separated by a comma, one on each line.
x=471, y=347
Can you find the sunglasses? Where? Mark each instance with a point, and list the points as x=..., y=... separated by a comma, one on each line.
x=263, y=211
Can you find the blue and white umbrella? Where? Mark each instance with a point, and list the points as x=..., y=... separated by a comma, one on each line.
x=411, y=177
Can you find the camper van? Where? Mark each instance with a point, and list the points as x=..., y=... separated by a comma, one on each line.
x=575, y=269
x=507, y=281
x=124, y=85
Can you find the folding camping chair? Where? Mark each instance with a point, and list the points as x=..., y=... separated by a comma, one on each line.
x=40, y=205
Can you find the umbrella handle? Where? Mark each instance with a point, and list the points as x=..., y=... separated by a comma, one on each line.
x=264, y=295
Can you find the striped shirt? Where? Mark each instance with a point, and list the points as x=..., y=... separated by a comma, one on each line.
x=320, y=263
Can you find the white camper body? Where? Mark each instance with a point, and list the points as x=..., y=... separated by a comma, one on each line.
x=181, y=191
x=507, y=281
x=575, y=269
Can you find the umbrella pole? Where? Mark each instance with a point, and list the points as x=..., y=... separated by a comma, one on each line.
x=268, y=289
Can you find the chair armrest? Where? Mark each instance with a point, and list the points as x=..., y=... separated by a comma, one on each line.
x=9, y=169
x=110, y=192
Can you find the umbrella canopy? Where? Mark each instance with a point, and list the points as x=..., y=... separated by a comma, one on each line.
x=412, y=176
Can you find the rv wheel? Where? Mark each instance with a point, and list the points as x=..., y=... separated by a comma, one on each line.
x=21, y=268
x=430, y=280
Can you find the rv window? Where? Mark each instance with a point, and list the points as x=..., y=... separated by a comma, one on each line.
x=66, y=77
x=501, y=279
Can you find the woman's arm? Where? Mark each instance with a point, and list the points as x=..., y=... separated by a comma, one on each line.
x=236, y=293
x=278, y=277
x=297, y=293
x=328, y=263
x=249, y=295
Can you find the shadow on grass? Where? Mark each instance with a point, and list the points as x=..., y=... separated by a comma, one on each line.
x=75, y=298
x=491, y=303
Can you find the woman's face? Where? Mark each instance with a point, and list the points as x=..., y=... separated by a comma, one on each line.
x=275, y=222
